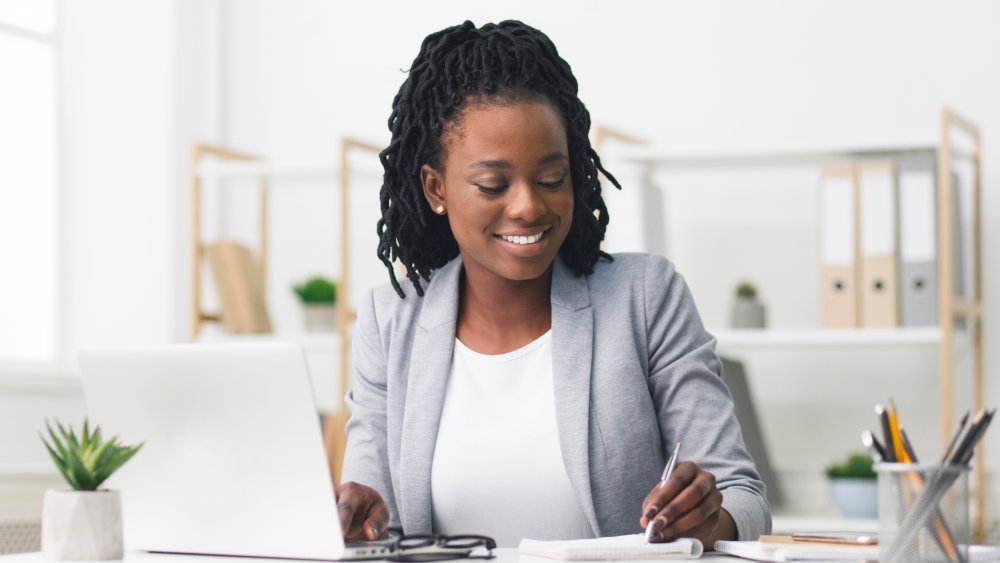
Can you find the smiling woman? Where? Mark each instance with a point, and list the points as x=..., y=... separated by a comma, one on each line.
x=529, y=384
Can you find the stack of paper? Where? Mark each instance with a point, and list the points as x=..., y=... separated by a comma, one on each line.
x=782, y=548
x=632, y=546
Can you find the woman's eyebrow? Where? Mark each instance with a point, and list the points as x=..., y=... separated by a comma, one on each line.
x=504, y=165
x=554, y=157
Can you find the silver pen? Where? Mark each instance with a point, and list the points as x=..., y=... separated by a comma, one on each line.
x=663, y=478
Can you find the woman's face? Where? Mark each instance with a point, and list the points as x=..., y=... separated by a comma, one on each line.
x=506, y=188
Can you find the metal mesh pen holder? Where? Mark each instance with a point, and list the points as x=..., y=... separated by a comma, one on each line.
x=923, y=512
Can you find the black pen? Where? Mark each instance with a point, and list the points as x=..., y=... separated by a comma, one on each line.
x=954, y=438
x=883, y=417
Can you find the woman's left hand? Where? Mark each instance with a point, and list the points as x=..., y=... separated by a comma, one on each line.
x=687, y=505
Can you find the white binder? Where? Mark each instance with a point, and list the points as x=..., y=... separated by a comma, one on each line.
x=838, y=246
x=918, y=241
x=879, y=294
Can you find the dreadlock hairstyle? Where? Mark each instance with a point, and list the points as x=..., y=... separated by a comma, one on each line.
x=497, y=63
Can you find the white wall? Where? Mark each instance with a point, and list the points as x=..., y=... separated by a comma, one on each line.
x=134, y=92
x=141, y=82
x=690, y=77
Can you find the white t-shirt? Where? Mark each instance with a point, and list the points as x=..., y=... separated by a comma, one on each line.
x=497, y=468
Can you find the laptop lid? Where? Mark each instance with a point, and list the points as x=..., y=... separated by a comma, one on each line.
x=233, y=461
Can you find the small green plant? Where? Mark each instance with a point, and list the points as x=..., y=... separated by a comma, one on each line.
x=858, y=465
x=746, y=290
x=317, y=289
x=87, y=461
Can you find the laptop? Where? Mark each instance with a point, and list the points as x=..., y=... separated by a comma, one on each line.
x=233, y=461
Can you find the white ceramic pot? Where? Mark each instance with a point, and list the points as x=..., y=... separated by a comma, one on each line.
x=855, y=498
x=748, y=313
x=82, y=525
x=319, y=318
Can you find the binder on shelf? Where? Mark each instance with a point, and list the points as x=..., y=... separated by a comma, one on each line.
x=879, y=282
x=958, y=288
x=918, y=241
x=838, y=246
x=240, y=290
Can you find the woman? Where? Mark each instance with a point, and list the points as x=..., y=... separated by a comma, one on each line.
x=534, y=385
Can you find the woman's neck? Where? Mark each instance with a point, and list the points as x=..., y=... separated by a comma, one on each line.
x=496, y=316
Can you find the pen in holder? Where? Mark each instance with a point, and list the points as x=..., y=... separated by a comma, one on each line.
x=923, y=512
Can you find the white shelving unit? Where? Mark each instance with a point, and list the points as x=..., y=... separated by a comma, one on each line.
x=819, y=337
x=952, y=306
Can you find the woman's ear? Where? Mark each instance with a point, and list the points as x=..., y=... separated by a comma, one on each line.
x=433, y=182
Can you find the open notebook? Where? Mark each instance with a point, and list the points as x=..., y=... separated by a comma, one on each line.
x=632, y=546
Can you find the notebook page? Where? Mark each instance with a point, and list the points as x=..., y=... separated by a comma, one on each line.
x=632, y=546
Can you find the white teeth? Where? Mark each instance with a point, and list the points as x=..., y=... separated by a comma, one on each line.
x=531, y=239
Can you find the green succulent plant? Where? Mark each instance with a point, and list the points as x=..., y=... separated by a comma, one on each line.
x=87, y=461
x=858, y=465
x=746, y=290
x=317, y=289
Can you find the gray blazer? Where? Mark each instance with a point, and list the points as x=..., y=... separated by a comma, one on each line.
x=634, y=372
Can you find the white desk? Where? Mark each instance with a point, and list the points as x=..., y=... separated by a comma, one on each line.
x=504, y=555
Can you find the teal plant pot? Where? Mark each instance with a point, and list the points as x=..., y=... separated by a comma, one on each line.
x=855, y=498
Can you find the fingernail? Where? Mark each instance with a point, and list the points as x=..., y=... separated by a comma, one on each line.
x=651, y=511
x=659, y=523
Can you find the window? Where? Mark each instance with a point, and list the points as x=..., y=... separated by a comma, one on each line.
x=28, y=182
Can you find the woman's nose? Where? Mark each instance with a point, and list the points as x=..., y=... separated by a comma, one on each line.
x=525, y=203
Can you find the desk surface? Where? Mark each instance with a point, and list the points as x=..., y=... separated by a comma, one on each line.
x=504, y=555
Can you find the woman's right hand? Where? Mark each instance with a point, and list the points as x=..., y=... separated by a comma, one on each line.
x=363, y=514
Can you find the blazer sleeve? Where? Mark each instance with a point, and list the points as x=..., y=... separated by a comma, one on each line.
x=366, y=458
x=693, y=404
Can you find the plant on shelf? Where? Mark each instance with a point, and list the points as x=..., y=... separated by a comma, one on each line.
x=746, y=290
x=747, y=311
x=857, y=465
x=317, y=289
x=84, y=523
x=318, y=296
x=853, y=486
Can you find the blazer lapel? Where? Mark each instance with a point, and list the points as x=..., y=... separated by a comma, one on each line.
x=572, y=355
x=430, y=364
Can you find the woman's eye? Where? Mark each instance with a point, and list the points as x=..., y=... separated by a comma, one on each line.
x=553, y=184
x=491, y=189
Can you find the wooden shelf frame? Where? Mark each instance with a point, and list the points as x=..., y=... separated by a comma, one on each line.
x=199, y=153
x=242, y=165
x=950, y=306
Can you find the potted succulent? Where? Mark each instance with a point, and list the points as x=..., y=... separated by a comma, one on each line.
x=853, y=486
x=318, y=296
x=748, y=312
x=84, y=523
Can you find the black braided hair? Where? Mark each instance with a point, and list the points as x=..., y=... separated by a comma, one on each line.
x=497, y=63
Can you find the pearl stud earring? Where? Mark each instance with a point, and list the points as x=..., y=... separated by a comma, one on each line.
x=439, y=209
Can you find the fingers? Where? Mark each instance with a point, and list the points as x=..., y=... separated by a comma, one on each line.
x=665, y=491
x=376, y=526
x=363, y=515
x=699, y=522
x=686, y=505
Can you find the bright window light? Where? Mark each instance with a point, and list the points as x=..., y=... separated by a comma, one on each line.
x=33, y=15
x=28, y=204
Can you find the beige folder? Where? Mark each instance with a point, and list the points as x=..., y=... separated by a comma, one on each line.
x=838, y=196
x=240, y=288
x=879, y=284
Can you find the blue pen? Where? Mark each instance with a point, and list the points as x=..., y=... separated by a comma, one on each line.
x=663, y=479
